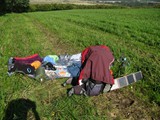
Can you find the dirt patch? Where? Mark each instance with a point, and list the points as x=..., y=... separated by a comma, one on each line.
x=129, y=107
x=123, y=104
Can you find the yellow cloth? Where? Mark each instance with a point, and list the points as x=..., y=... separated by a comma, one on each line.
x=36, y=64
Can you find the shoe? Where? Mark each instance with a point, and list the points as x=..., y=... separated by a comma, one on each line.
x=71, y=92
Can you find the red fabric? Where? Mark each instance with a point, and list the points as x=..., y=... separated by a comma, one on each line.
x=28, y=59
x=96, y=61
x=25, y=58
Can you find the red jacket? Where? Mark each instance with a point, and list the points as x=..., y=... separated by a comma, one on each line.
x=96, y=61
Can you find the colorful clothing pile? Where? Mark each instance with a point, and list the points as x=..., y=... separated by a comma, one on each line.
x=49, y=67
x=93, y=63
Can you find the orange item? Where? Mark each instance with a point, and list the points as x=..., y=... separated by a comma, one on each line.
x=111, y=72
x=36, y=64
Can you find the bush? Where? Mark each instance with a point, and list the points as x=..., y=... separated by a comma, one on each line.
x=2, y=6
x=17, y=5
x=49, y=7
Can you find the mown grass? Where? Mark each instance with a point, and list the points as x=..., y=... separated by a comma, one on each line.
x=133, y=33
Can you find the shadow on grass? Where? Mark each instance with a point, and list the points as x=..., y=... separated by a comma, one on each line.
x=21, y=109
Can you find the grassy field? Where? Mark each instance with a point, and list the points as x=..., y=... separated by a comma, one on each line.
x=133, y=33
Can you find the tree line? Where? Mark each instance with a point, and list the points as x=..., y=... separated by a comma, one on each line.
x=14, y=5
x=19, y=6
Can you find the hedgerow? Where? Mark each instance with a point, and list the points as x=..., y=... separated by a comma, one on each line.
x=16, y=5
x=50, y=7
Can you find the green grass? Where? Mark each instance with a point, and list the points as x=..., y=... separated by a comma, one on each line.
x=130, y=32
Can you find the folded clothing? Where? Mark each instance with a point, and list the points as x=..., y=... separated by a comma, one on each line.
x=25, y=65
x=28, y=59
x=36, y=64
x=51, y=58
x=22, y=68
